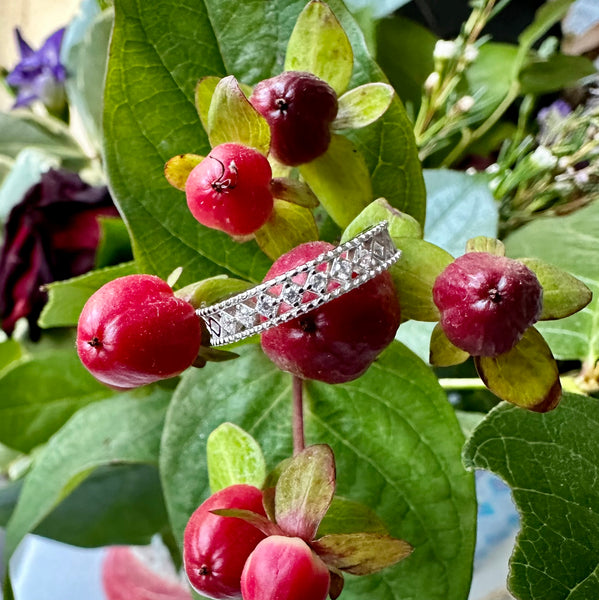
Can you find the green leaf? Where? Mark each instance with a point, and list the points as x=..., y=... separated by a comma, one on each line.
x=363, y=105
x=459, y=207
x=178, y=168
x=67, y=298
x=212, y=290
x=288, y=226
x=340, y=180
x=203, y=97
x=563, y=294
x=114, y=246
x=319, y=45
x=442, y=352
x=21, y=129
x=305, y=491
x=375, y=466
x=490, y=77
x=361, y=553
x=414, y=275
x=556, y=73
x=234, y=456
x=150, y=116
x=85, y=61
x=121, y=430
x=231, y=118
x=10, y=350
x=489, y=245
x=398, y=38
x=569, y=243
x=399, y=224
x=39, y=394
x=545, y=18
x=551, y=463
x=118, y=504
x=347, y=516
x=526, y=375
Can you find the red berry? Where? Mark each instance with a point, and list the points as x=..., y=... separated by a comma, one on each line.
x=215, y=548
x=284, y=568
x=487, y=302
x=134, y=331
x=299, y=107
x=338, y=341
x=230, y=190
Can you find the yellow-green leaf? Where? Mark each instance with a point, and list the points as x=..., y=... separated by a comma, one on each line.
x=363, y=105
x=442, y=352
x=288, y=226
x=319, y=45
x=203, y=96
x=212, y=290
x=400, y=224
x=178, y=168
x=527, y=375
x=340, y=180
x=233, y=457
x=414, y=275
x=485, y=244
x=563, y=294
x=231, y=118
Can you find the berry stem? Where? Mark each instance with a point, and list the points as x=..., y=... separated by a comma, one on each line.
x=299, y=442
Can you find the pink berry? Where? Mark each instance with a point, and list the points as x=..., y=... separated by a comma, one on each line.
x=299, y=107
x=216, y=548
x=487, y=302
x=284, y=568
x=135, y=331
x=338, y=341
x=230, y=190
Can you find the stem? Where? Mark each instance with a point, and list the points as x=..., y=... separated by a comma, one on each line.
x=299, y=442
x=470, y=383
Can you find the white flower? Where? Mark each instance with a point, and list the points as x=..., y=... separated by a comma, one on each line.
x=470, y=53
x=432, y=82
x=543, y=158
x=445, y=49
x=464, y=104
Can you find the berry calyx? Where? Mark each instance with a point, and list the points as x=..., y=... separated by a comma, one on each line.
x=337, y=341
x=215, y=548
x=230, y=190
x=284, y=568
x=299, y=108
x=487, y=302
x=134, y=331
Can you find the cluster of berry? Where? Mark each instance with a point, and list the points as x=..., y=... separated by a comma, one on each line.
x=226, y=557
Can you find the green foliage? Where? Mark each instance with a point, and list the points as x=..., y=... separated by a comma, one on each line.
x=375, y=465
x=117, y=431
x=38, y=394
x=233, y=456
x=569, y=243
x=67, y=298
x=550, y=461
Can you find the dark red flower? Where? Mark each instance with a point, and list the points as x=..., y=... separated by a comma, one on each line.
x=52, y=234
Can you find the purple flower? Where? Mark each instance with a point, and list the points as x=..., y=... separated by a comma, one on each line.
x=39, y=75
x=52, y=234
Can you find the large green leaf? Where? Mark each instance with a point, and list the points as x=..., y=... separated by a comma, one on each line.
x=159, y=51
x=408, y=471
x=571, y=243
x=121, y=430
x=38, y=395
x=551, y=462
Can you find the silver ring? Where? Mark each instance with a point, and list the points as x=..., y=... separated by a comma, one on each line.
x=281, y=299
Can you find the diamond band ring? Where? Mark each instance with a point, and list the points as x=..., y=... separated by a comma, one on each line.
x=301, y=289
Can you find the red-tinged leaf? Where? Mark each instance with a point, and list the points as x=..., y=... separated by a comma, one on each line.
x=305, y=491
x=361, y=553
x=258, y=521
x=527, y=375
